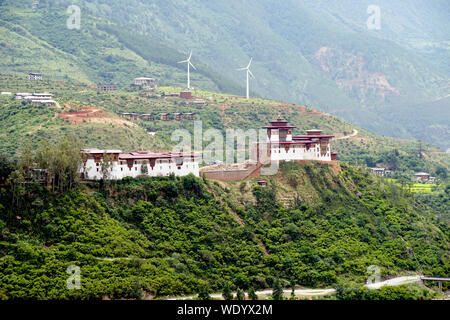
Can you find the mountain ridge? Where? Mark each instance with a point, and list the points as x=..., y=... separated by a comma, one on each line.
x=282, y=38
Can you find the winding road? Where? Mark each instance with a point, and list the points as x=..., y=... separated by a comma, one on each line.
x=319, y=292
x=354, y=133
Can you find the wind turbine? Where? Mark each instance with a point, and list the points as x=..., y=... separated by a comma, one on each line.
x=249, y=74
x=189, y=64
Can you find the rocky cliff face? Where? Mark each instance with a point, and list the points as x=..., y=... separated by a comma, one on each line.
x=350, y=72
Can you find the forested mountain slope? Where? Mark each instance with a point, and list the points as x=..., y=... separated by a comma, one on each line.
x=168, y=236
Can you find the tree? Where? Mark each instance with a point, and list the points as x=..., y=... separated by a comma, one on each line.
x=105, y=167
x=17, y=181
x=252, y=294
x=277, y=293
x=240, y=295
x=62, y=160
x=26, y=160
x=203, y=293
x=226, y=293
x=441, y=172
x=293, y=289
x=136, y=290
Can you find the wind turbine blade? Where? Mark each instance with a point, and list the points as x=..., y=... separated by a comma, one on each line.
x=251, y=74
x=241, y=69
x=190, y=56
x=183, y=61
x=192, y=66
x=250, y=63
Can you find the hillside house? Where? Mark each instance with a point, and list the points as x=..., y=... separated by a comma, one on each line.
x=147, y=117
x=165, y=116
x=262, y=183
x=107, y=87
x=189, y=116
x=198, y=102
x=45, y=102
x=134, y=116
x=186, y=95
x=36, y=98
x=22, y=95
x=147, y=93
x=35, y=76
x=42, y=96
x=422, y=176
x=144, y=82
x=381, y=172
x=129, y=116
x=178, y=116
x=170, y=95
x=137, y=164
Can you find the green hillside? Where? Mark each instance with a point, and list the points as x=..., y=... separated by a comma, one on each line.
x=38, y=40
x=312, y=52
x=171, y=236
x=21, y=122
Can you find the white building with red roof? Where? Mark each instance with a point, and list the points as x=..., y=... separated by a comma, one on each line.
x=137, y=164
x=282, y=145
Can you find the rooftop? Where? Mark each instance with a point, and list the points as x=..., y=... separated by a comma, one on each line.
x=308, y=136
x=96, y=151
x=151, y=155
x=139, y=154
x=279, y=127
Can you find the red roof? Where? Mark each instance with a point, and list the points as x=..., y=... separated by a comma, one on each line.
x=303, y=136
x=293, y=142
x=279, y=121
x=148, y=155
x=278, y=127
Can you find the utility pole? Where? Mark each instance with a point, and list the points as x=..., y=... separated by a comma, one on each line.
x=420, y=150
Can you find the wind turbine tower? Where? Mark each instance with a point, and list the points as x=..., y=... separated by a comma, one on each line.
x=189, y=64
x=249, y=74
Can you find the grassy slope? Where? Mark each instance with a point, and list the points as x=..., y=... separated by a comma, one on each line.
x=22, y=122
x=101, y=52
x=221, y=112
